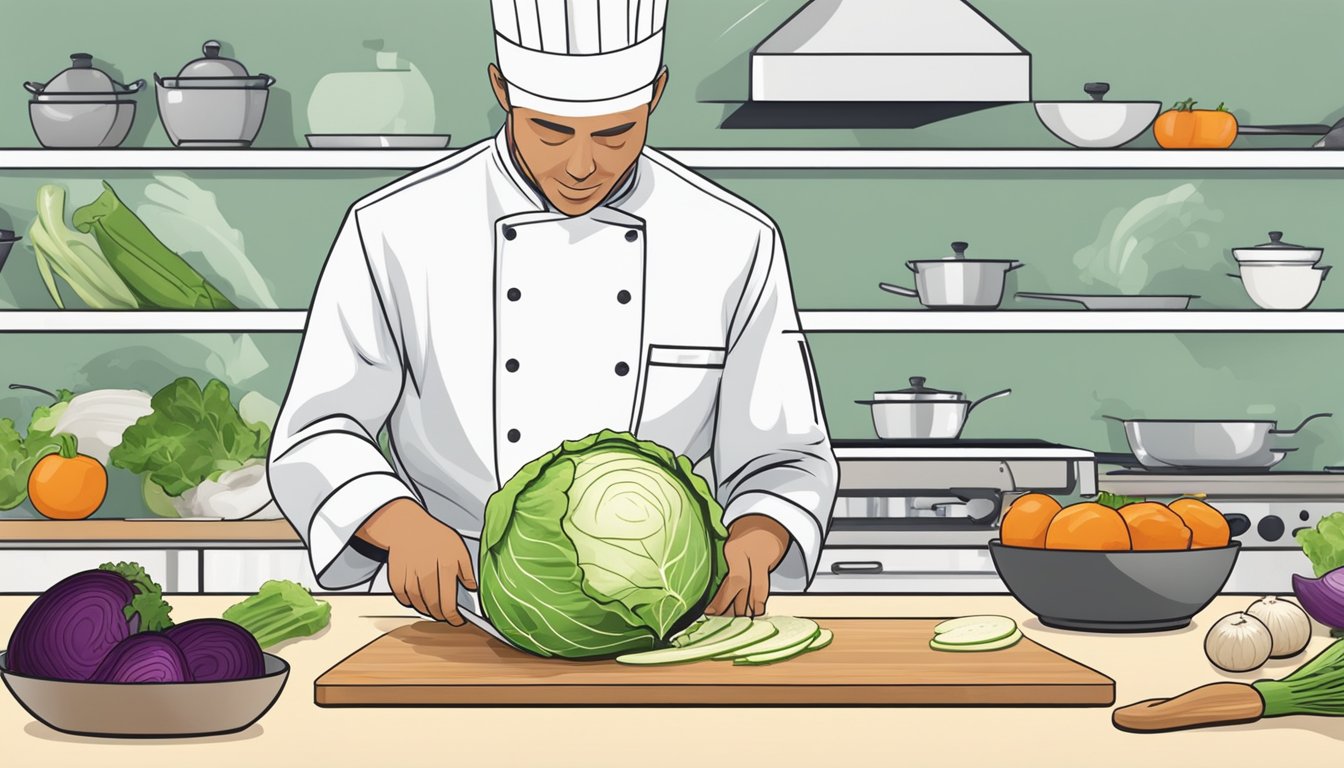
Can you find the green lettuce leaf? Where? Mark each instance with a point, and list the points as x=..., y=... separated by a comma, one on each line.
x=1324, y=545
x=13, y=459
x=193, y=435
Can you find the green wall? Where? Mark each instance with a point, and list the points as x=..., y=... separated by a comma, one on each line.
x=845, y=231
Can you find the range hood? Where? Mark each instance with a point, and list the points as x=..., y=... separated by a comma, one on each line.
x=881, y=64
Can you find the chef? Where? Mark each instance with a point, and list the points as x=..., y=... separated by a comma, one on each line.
x=553, y=281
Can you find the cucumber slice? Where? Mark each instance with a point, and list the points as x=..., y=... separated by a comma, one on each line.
x=974, y=630
x=732, y=627
x=702, y=630
x=792, y=632
x=823, y=639
x=756, y=632
x=997, y=645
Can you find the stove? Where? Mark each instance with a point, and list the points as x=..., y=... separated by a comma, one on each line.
x=916, y=515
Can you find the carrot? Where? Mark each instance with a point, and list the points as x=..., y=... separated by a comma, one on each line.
x=67, y=485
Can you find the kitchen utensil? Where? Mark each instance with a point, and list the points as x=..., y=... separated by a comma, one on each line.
x=956, y=282
x=82, y=107
x=922, y=412
x=148, y=709
x=1097, y=124
x=871, y=662
x=1114, y=591
x=1332, y=136
x=1281, y=285
x=7, y=241
x=1163, y=443
x=394, y=98
x=378, y=141
x=1115, y=303
x=1277, y=251
x=213, y=102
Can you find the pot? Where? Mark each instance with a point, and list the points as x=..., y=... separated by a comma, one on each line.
x=1170, y=444
x=1097, y=124
x=7, y=241
x=1277, y=250
x=1281, y=285
x=213, y=102
x=956, y=282
x=82, y=107
x=921, y=412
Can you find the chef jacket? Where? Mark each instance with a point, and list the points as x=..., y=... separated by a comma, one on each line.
x=482, y=327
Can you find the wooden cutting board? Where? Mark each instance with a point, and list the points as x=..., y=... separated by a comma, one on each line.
x=870, y=662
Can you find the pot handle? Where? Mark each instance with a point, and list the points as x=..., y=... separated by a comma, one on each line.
x=269, y=80
x=899, y=290
x=131, y=87
x=991, y=396
x=1014, y=264
x=1325, y=271
x=1310, y=418
x=34, y=88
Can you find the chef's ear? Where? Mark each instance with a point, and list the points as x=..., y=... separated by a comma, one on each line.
x=658, y=86
x=500, y=86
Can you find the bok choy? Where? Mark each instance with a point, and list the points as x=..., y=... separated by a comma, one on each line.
x=73, y=257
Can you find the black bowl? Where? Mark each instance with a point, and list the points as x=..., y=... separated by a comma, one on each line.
x=1148, y=591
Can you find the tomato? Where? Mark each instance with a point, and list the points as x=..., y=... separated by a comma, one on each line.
x=1184, y=127
x=67, y=485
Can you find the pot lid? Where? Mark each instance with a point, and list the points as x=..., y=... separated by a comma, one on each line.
x=1276, y=243
x=213, y=65
x=80, y=77
x=959, y=254
x=917, y=392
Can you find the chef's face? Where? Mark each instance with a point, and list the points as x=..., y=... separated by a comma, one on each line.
x=576, y=162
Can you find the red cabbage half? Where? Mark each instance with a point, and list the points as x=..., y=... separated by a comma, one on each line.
x=70, y=628
x=149, y=657
x=1322, y=598
x=218, y=650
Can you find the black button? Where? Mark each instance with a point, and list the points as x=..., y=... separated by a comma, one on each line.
x=511, y=365
x=1270, y=528
x=622, y=369
x=1304, y=515
x=514, y=294
x=632, y=235
x=623, y=297
x=514, y=435
x=510, y=233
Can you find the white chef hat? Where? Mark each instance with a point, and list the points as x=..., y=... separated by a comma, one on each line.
x=579, y=58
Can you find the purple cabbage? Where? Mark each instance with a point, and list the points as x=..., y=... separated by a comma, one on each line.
x=1322, y=598
x=149, y=657
x=216, y=649
x=69, y=629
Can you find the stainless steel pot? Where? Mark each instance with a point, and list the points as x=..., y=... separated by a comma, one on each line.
x=213, y=102
x=921, y=412
x=82, y=107
x=1170, y=443
x=956, y=282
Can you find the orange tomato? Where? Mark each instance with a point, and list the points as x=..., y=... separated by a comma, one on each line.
x=1208, y=526
x=1154, y=526
x=1088, y=526
x=67, y=485
x=1184, y=127
x=1027, y=519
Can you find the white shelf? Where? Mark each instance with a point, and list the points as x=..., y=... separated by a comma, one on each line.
x=833, y=321
x=707, y=159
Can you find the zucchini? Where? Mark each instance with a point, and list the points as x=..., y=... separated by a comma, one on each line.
x=996, y=645
x=793, y=632
x=823, y=639
x=756, y=632
x=702, y=630
x=973, y=630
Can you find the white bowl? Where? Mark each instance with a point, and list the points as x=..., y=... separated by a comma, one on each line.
x=1282, y=285
x=1097, y=124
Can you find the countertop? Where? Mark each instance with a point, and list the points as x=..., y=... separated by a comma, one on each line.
x=164, y=533
x=298, y=733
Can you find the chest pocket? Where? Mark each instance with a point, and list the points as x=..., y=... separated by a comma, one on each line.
x=680, y=393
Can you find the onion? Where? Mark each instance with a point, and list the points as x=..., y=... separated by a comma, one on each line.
x=1238, y=642
x=1288, y=625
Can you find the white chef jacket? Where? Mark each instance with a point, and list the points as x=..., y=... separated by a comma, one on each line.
x=483, y=327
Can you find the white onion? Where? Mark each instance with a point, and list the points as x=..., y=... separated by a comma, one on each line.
x=1288, y=625
x=1239, y=642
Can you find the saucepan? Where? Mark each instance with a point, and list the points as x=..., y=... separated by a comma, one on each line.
x=921, y=412
x=1171, y=443
x=956, y=282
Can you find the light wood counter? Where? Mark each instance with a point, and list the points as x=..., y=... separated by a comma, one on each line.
x=298, y=733
x=165, y=533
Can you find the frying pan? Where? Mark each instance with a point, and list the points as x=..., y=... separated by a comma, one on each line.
x=1332, y=136
x=1164, y=443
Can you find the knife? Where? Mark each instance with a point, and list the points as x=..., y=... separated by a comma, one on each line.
x=469, y=605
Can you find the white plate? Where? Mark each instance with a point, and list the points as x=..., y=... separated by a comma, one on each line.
x=378, y=141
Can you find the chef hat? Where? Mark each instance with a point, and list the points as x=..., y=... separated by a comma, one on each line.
x=579, y=58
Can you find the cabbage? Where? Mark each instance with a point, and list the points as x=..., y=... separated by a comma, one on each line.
x=216, y=649
x=70, y=628
x=606, y=545
x=147, y=658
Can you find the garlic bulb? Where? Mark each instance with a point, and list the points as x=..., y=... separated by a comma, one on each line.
x=1287, y=623
x=1238, y=643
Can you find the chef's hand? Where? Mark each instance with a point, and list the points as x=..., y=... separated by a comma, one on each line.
x=425, y=558
x=755, y=545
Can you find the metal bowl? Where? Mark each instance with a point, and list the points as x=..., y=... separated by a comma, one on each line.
x=202, y=116
x=1148, y=591
x=81, y=124
x=148, y=710
x=1097, y=124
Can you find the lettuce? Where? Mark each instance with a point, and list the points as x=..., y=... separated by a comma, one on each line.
x=18, y=454
x=193, y=435
x=1324, y=545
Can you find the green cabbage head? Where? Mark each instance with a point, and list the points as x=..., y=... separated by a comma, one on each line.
x=604, y=546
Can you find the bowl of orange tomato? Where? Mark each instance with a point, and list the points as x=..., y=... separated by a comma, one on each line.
x=1141, y=567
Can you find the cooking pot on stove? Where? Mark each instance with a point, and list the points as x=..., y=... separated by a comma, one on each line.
x=921, y=412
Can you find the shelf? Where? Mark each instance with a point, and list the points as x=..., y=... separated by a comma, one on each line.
x=155, y=533
x=705, y=159
x=814, y=321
